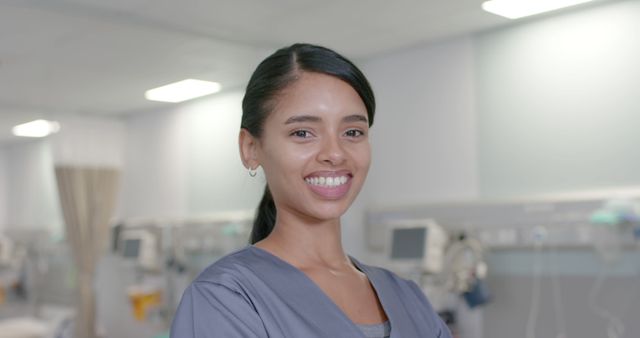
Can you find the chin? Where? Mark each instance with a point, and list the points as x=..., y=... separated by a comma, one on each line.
x=329, y=212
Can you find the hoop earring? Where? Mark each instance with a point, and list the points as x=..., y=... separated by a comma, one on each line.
x=253, y=172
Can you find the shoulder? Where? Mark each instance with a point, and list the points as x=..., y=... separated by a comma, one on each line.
x=229, y=280
x=232, y=271
x=217, y=302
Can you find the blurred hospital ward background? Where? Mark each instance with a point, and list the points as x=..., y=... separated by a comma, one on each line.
x=505, y=178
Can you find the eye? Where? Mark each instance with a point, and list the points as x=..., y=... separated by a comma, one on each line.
x=354, y=133
x=301, y=133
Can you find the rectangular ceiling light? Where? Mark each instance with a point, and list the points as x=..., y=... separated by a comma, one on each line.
x=514, y=9
x=182, y=91
x=37, y=128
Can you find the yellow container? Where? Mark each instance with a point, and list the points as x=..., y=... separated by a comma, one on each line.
x=142, y=301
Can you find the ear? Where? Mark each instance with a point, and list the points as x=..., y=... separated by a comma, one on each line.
x=248, y=149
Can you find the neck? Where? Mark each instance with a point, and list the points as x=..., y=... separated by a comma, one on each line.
x=306, y=244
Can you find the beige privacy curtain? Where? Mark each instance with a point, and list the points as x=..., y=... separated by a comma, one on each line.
x=88, y=197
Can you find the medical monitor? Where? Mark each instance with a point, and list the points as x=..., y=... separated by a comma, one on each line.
x=141, y=247
x=417, y=244
x=408, y=243
x=131, y=248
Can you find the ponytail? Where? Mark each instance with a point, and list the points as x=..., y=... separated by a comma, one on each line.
x=265, y=217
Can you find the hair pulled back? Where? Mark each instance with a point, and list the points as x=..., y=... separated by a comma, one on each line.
x=270, y=78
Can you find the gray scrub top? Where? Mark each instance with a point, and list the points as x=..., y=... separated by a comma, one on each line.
x=252, y=293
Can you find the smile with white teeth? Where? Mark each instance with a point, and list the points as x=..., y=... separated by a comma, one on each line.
x=329, y=182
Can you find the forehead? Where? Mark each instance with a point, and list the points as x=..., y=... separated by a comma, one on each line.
x=317, y=94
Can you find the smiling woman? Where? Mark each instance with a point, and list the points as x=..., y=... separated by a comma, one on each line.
x=318, y=134
x=306, y=117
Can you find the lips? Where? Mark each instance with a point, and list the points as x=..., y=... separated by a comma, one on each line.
x=329, y=184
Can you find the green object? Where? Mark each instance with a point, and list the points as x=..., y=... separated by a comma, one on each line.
x=604, y=217
x=231, y=229
x=163, y=335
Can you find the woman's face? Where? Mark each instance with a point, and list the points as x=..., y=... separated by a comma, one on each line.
x=314, y=148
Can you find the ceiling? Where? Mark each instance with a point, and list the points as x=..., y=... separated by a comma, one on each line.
x=98, y=57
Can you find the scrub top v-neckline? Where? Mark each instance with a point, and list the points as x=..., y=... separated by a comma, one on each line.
x=252, y=293
x=313, y=285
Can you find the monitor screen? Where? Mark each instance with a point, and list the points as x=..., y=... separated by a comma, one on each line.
x=131, y=248
x=408, y=243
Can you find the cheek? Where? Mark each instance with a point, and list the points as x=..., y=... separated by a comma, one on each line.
x=362, y=157
x=285, y=160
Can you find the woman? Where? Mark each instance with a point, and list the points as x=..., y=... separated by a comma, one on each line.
x=306, y=117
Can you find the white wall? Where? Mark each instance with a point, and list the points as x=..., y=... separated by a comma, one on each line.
x=424, y=135
x=32, y=200
x=184, y=161
x=543, y=106
x=558, y=102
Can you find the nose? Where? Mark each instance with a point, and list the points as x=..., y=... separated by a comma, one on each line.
x=332, y=152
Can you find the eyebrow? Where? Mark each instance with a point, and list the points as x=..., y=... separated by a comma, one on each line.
x=312, y=118
x=355, y=118
x=302, y=118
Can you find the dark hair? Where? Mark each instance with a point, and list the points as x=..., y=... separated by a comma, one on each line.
x=270, y=78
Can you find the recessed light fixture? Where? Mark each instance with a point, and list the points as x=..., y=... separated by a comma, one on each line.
x=37, y=128
x=514, y=9
x=182, y=90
